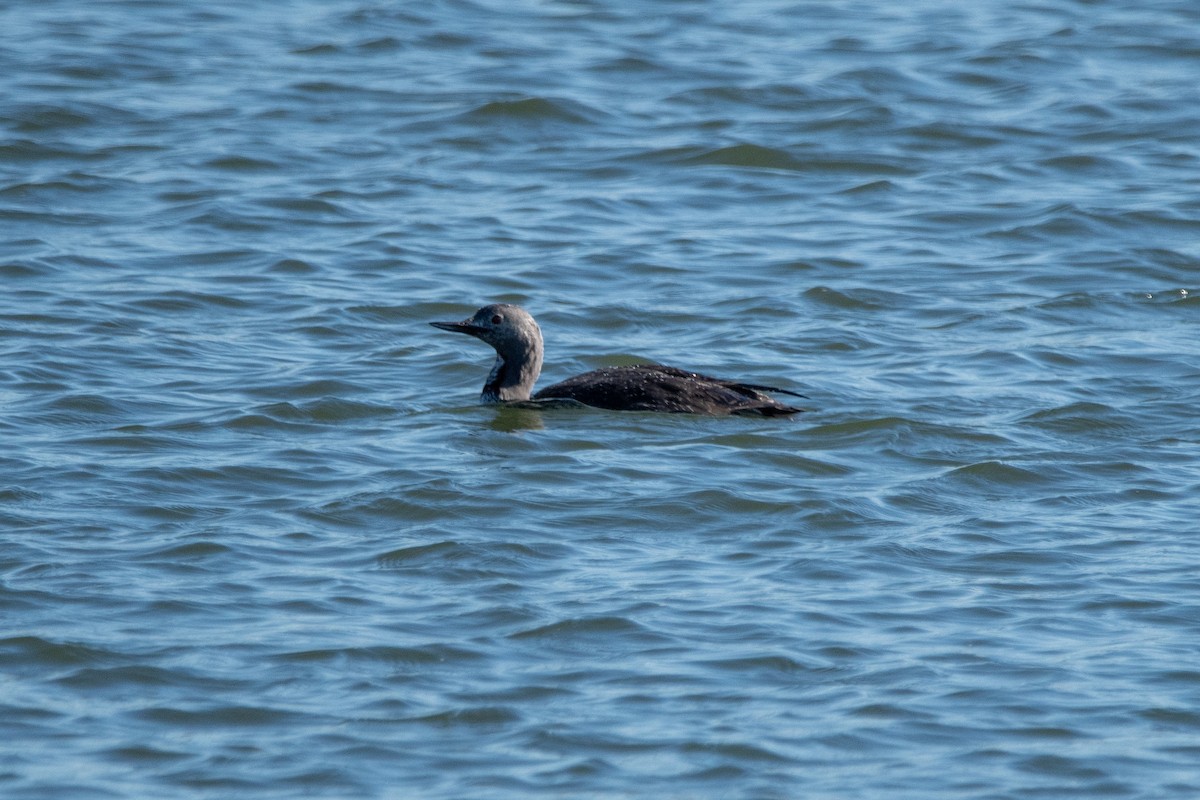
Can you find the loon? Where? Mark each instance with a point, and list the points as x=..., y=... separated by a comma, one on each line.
x=644, y=387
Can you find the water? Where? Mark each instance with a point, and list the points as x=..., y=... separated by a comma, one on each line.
x=259, y=540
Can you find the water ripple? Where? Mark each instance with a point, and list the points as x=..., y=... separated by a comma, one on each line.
x=252, y=511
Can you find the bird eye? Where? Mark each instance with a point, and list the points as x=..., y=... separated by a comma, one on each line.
x=496, y=319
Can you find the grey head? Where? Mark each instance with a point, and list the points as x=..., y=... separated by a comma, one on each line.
x=518, y=343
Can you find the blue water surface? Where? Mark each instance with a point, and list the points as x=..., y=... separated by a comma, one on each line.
x=258, y=538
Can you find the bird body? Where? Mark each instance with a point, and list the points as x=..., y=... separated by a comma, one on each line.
x=644, y=387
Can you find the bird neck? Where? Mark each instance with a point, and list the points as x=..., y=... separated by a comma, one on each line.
x=512, y=379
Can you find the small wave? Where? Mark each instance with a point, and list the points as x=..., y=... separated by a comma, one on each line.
x=177, y=301
x=225, y=220
x=747, y=155
x=856, y=299
x=40, y=654
x=784, y=96
x=78, y=183
x=994, y=473
x=241, y=164
x=754, y=156
x=482, y=715
x=583, y=627
x=218, y=716
x=326, y=411
x=1082, y=164
x=463, y=562
x=735, y=751
x=85, y=409
x=944, y=134
x=382, y=654
x=293, y=266
x=1081, y=418
x=318, y=388
x=320, y=49
x=535, y=109
x=142, y=755
x=263, y=423
x=418, y=554
x=14, y=272
x=189, y=551
x=879, y=187
x=23, y=151
x=304, y=205
x=143, y=678
x=777, y=664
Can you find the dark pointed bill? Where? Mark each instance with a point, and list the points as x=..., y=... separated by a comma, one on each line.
x=459, y=327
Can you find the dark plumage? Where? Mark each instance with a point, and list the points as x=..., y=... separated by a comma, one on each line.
x=646, y=387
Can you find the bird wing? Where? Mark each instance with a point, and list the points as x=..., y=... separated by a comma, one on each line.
x=653, y=387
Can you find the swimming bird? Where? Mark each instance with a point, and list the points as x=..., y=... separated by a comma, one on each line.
x=517, y=339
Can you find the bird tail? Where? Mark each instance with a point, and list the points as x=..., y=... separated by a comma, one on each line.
x=758, y=387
